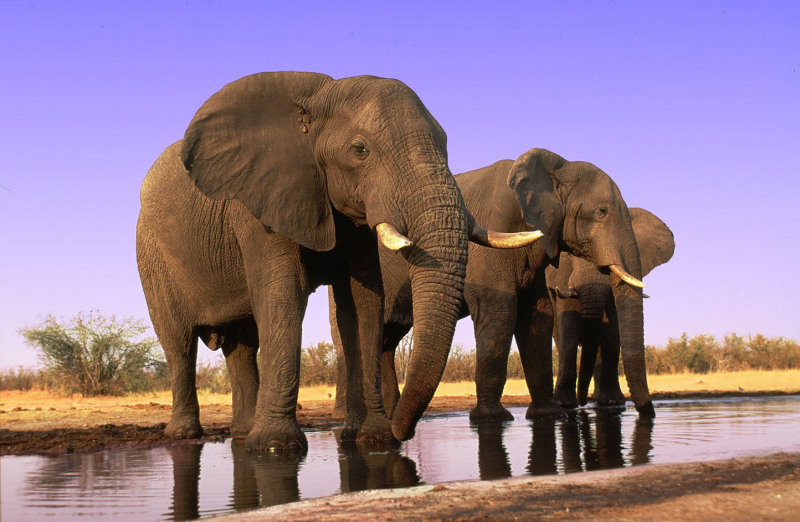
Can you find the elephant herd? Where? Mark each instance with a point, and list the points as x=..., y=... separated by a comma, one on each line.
x=287, y=181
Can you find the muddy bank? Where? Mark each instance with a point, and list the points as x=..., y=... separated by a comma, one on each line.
x=27, y=431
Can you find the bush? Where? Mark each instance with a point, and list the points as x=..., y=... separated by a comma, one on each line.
x=460, y=365
x=318, y=364
x=212, y=376
x=94, y=355
x=22, y=379
x=703, y=354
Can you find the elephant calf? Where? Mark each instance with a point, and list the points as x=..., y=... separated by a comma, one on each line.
x=580, y=210
x=585, y=314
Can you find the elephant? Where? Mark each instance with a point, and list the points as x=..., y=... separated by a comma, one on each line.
x=585, y=314
x=285, y=181
x=580, y=210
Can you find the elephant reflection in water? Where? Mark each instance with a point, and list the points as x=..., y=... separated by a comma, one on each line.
x=185, y=481
x=587, y=443
x=493, y=460
x=364, y=468
x=263, y=481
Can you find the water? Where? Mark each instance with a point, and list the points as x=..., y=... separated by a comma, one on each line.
x=193, y=480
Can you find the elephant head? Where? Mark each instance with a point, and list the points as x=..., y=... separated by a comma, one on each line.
x=296, y=149
x=581, y=211
x=578, y=278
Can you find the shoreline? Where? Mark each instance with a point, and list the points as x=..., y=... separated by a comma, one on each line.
x=90, y=424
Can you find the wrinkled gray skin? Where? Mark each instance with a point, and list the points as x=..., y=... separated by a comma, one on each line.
x=276, y=189
x=585, y=314
x=580, y=210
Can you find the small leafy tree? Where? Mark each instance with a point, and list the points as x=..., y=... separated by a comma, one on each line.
x=318, y=364
x=95, y=355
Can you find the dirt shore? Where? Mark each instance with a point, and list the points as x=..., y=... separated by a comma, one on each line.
x=754, y=488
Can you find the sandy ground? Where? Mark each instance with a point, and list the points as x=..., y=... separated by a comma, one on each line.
x=755, y=488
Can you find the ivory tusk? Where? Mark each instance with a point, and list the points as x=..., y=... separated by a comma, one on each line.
x=391, y=238
x=625, y=276
x=490, y=238
x=570, y=293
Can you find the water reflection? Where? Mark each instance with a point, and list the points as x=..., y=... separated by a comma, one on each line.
x=493, y=462
x=262, y=480
x=588, y=441
x=187, y=481
x=267, y=480
x=362, y=468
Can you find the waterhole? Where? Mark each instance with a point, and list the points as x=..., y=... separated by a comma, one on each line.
x=188, y=481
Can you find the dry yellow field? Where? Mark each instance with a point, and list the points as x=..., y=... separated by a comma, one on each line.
x=754, y=381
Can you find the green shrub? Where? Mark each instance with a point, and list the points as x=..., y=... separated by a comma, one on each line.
x=704, y=353
x=318, y=364
x=212, y=376
x=95, y=355
x=22, y=379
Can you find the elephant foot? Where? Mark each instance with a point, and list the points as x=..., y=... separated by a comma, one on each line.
x=376, y=430
x=612, y=397
x=487, y=412
x=184, y=427
x=646, y=411
x=548, y=408
x=240, y=428
x=277, y=436
x=565, y=397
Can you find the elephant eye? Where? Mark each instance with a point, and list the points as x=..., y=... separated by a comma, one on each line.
x=602, y=212
x=360, y=149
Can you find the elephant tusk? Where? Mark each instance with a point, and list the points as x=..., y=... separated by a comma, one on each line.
x=490, y=238
x=391, y=238
x=625, y=276
x=569, y=293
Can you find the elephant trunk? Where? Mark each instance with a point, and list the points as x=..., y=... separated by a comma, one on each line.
x=628, y=301
x=593, y=298
x=437, y=267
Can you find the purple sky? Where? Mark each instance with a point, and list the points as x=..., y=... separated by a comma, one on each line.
x=692, y=107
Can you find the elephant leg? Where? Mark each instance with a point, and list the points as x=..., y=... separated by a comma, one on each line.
x=359, y=314
x=494, y=327
x=390, y=389
x=180, y=347
x=534, y=335
x=276, y=280
x=590, y=342
x=569, y=330
x=177, y=336
x=607, y=391
x=340, y=404
x=243, y=371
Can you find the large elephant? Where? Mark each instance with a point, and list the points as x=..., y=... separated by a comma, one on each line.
x=585, y=314
x=276, y=188
x=580, y=210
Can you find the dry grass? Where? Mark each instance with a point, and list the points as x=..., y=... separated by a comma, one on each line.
x=750, y=381
x=747, y=381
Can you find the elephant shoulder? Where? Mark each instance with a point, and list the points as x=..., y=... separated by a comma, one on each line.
x=489, y=198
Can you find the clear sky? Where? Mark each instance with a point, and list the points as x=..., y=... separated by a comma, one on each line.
x=692, y=107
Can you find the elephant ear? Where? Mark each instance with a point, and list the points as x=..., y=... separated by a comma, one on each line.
x=655, y=239
x=534, y=179
x=251, y=142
